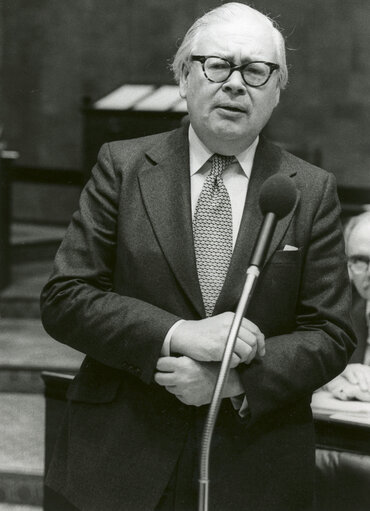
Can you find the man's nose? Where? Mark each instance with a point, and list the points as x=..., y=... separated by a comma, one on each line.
x=235, y=83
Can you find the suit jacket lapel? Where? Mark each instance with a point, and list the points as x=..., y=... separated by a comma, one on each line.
x=267, y=161
x=165, y=188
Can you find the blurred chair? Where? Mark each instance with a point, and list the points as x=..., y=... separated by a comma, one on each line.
x=342, y=480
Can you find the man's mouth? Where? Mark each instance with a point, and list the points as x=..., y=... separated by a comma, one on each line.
x=232, y=108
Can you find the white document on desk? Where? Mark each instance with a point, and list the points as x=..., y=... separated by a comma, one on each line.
x=350, y=417
x=353, y=411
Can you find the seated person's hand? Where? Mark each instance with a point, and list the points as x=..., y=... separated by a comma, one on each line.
x=340, y=388
x=358, y=374
x=344, y=390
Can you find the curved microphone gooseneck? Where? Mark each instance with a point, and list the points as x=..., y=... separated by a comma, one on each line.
x=276, y=200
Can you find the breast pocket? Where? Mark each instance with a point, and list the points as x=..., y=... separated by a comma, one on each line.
x=286, y=257
x=282, y=272
x=277, y=291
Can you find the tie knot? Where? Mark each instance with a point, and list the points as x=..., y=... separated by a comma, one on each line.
x=219, y=163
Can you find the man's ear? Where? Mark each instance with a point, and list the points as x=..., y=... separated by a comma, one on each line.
x=183, y=84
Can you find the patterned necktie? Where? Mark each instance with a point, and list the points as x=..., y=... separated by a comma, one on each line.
x=213, y=233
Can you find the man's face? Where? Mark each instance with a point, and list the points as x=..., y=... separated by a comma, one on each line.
x=359, y=245
x=228, y=116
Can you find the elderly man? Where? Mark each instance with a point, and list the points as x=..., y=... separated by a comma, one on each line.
x=354, y=381
x=147, y=279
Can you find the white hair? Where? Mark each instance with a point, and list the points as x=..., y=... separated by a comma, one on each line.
x=228, y=12
x=353, y=222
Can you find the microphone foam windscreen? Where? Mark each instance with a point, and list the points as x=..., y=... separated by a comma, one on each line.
x=278, y=195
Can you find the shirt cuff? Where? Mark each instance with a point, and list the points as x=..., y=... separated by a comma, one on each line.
x=240, y=403
x=166, y=346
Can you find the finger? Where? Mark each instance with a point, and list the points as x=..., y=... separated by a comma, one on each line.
x=248, y=350
x=248, y=337
x=253, y=328
x=235, y=361
x=261, y=346
x=252, y=355
x=172, y=389
x=181, y=398
x=164, y=378
x=362, y=382
x=356, y=376
x=366, y=378
x=351, y=377
x=253, y=337
x=242, y=350
x=340, y=394
x=167, y=364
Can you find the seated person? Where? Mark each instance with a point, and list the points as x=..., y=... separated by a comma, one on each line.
x=354, y=381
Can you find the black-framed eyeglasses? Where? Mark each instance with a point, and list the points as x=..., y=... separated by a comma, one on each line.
x=359, y=263
x=218, y=70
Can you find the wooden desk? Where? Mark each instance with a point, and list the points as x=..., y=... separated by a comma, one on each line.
x=341, y=425
x=342, y=435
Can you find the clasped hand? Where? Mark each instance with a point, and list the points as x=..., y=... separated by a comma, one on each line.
x=205, y=340
x=190, y=381
x=192, y=376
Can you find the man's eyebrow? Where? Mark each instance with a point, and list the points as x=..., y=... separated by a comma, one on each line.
x=233, y=60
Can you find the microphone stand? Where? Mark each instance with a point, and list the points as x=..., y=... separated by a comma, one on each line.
x=277, y=198
x=250, y=281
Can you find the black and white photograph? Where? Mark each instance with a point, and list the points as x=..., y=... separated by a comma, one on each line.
x=184, y=255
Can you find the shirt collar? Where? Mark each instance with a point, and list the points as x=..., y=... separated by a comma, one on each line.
x=200, y=154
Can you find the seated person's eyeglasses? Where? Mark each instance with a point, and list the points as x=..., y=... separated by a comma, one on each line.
x=218, y=70
x=359, y=263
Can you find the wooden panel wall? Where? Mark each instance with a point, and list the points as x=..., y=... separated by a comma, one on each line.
x=57, y=51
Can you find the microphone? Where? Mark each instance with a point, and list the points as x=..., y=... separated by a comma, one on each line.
x=276, y=200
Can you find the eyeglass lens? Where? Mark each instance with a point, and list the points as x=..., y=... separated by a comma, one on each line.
x=254, y=73
x=359, y=264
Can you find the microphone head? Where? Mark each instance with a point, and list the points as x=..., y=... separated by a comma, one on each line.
x=278, y=195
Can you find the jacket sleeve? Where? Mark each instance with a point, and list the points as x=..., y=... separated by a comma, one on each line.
x=78, y=304
x=299, y=362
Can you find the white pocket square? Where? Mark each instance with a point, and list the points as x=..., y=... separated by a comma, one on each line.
x=290, y=248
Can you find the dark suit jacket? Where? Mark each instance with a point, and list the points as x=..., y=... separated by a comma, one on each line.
x=126, y=272
x=358, y=313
